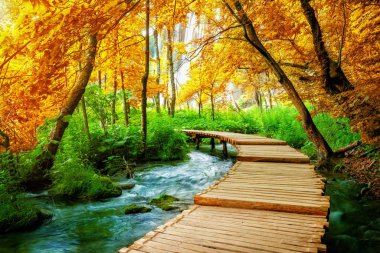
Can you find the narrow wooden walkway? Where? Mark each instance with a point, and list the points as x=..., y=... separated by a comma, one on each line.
x=270, y=201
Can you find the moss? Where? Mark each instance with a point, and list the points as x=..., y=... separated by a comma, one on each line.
x=131, y=209
x=164, y=202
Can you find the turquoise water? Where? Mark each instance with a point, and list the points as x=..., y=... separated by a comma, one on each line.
x=101, y=226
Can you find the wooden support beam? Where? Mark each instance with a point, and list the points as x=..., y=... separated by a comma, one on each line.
x=212, y=143
x=225, y=152
x=197, y=141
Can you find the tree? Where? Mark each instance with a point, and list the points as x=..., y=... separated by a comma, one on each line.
x=335, y=81
x=144, y=80
x=171, y=73
x=250, y=35
x=46, y=159
x=158, y=102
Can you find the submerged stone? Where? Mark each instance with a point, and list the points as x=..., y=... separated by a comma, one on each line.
x=164, y=202
x=131, y=209
x=126, y=186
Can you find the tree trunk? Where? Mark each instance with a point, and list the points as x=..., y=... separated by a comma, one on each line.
x=113, y=102
x=126, y=107
x=105, y=81
x=335, y=81
x=212, y=106
x=85, y=119
x=270, y=98
x=235, y=103
x=158, y=69
x=165, y=102
x=100, y=79
x=171, y=73
x=144, y=81
x=200, y=105
x=258, y=99
x=46, y=159
x=250, y=35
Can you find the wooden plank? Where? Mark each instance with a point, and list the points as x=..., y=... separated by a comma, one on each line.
x=280, y=206
x=255, y=227
x=186, y=245
x=273, y=199
x=278, y=242
x=235, y=246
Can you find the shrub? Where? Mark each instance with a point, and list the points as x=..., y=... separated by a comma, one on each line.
x=75, y=180
x=164, y=142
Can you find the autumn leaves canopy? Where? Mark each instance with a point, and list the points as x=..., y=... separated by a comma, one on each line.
x=325, y=52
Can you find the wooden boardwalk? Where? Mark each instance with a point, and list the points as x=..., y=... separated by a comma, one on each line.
x=270, y=201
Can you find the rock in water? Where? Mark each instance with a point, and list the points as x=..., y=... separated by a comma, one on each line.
x=126, y=186
x=164, y=202
x=131, y=209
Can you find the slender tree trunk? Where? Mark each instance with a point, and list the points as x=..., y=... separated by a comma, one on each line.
x=171, y=73
x=235, y=103
x=100, y=79
x=113, y=102
x=212, y=106
x=270, y=98
x=165, y=102
x=250, y=35
x=105, y=81
x=335, y=81
x=46, y=159
x=85, y=118
x=125, y=102
x=258, y=99
x=200, y=104
x=158, y=69
x=144, y=80
x=102, y=121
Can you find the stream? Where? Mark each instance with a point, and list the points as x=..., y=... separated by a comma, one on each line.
x=102, y=226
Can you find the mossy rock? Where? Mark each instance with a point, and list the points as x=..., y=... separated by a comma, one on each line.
x=164, y=202
x=24, y=220
x=131, y=209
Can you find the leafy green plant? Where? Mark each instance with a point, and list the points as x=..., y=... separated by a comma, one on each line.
x=75, y=180
x=164, y=142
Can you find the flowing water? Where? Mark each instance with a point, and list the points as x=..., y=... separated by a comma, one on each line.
x=102, y=226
